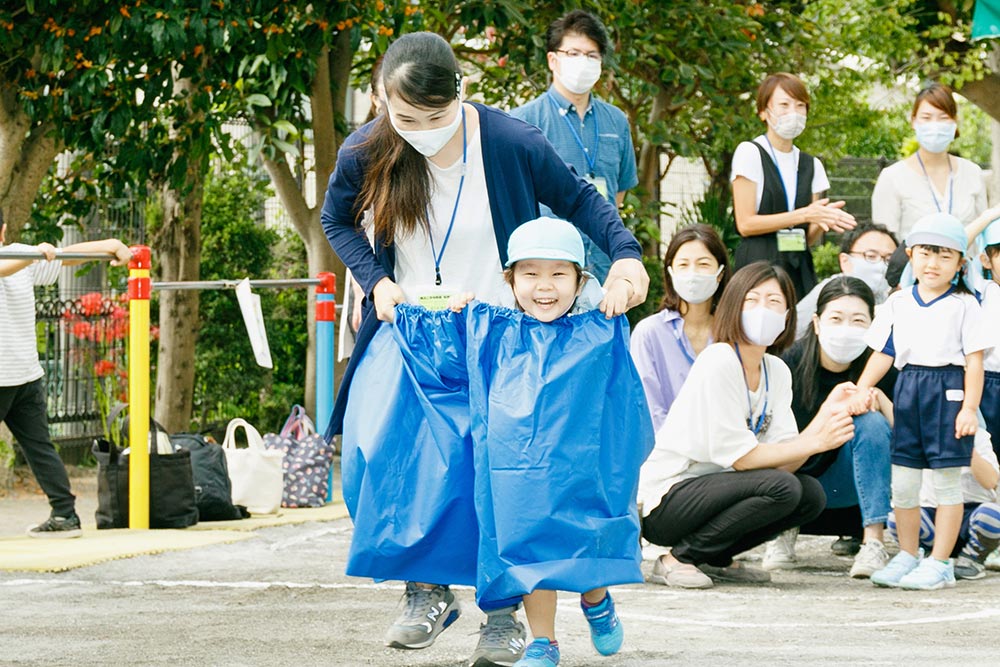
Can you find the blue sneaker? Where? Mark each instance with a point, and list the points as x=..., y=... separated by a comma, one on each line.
x=606, y=630
x=540, y=653
x=930, y=575
x=897, y=568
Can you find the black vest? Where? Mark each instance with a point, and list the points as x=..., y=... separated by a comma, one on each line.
x=799, y=265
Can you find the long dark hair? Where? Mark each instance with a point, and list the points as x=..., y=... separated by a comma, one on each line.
x=807, y=369
x=421, y=69
x=713, y=243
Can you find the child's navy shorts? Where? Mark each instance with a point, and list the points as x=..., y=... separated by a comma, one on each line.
x=990, y=407
x=925, y=405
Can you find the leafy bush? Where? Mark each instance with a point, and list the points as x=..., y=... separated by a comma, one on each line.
x=228, y=381
x=826, y=259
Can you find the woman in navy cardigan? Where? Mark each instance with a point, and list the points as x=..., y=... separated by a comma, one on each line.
x=420, y=206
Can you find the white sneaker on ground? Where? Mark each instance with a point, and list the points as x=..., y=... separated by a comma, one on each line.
x=780, y=552
x=870, y=559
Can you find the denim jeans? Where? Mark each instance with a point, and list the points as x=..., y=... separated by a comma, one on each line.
x=861, y=473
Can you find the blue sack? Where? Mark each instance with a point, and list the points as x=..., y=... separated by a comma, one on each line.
x=407, y=466
x=561, y=428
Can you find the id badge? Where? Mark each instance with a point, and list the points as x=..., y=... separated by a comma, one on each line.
x=600, y=183
x=434, y=297
x=791, y=240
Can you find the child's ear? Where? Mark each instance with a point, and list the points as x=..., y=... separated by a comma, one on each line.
x=909, y=252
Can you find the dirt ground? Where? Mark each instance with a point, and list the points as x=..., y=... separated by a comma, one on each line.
x=23, y=504
x=282, y=598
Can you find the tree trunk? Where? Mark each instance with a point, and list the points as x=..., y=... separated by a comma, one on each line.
x=178, y=254
x=26, y=153
x=985, y=93
x=328, y=99
x=648, y=168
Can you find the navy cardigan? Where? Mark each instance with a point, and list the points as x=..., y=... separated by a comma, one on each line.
x=522, y=169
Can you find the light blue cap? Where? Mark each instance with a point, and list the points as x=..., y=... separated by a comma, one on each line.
x=939, y=229
x=546, y=238
x=991, y=235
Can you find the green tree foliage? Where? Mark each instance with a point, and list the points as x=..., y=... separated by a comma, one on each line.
x=229, y=383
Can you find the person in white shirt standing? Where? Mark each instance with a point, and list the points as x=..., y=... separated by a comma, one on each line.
x=22, y=388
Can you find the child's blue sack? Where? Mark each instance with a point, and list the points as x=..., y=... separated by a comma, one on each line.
x=407, y=467
x=561, y=428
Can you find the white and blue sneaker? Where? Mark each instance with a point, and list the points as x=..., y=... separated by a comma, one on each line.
x=898, y=567
x=930, y=575
x=540, y=653
x=606, y=630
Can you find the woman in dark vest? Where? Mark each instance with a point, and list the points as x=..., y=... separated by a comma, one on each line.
x=777, y=189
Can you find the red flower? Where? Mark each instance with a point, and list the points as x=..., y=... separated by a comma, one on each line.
x=103, y=368
x=83, y=330
x=92, y=304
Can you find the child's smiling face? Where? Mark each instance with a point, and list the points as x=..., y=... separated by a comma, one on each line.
x=545, y=288
x=934, y=266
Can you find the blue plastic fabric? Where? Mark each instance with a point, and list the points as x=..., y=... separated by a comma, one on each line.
x=543, y=499
x=407, y=466
x=561, y=428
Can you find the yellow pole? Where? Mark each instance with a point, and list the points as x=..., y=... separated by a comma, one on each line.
x=139, y=288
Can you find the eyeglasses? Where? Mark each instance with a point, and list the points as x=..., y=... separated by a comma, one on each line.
x=592, y=56
x=873, y=256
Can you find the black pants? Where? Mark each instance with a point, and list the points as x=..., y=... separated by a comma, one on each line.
x=23, y=409
x=710, y=519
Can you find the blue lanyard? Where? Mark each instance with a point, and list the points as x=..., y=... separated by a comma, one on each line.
x=454, y=212
x=789, y=199
x=679, y=335
x=591, y=160
x=930, y=186
x=762, y=419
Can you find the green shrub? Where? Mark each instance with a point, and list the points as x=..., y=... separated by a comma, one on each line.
x=826, y=259
x=228, y=381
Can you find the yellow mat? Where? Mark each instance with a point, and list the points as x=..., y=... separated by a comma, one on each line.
x=283, y=517
x=96, y=546
x=25, y=554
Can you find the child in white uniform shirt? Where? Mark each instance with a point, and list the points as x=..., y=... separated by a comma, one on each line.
x=933, y=333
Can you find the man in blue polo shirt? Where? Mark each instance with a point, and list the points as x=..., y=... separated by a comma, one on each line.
x=592, y=136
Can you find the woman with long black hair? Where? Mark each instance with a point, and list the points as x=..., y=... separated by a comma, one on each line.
x=832, y=352
x=446, y=182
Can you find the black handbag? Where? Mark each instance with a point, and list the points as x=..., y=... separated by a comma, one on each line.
x=212, y=487
x=171, y=487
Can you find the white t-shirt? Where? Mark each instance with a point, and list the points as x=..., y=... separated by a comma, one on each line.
x=706, y=429
x=939, y=333
x=902, y=195
x=470, y=262
x=747, y=163
x=972, y=491
x=18, y=345
x=991, y=318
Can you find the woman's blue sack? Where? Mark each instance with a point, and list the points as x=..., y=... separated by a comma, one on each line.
x=407, y=467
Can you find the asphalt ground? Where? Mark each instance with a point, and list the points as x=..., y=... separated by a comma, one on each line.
x=282, y=599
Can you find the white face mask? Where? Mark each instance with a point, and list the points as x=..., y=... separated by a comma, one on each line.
x=694, y=287
x=873, y=275
x=428, y=142
x=578, y=74
x=762, y=326
x=842, y=343
x=788, y=126
x=934, y=136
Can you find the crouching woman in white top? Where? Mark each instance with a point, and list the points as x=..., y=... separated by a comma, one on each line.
x=721, y=478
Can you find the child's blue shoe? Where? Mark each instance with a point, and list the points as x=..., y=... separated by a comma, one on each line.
x=930, y=575
x=540, y=653
x=606, y=630
x=897, y=568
